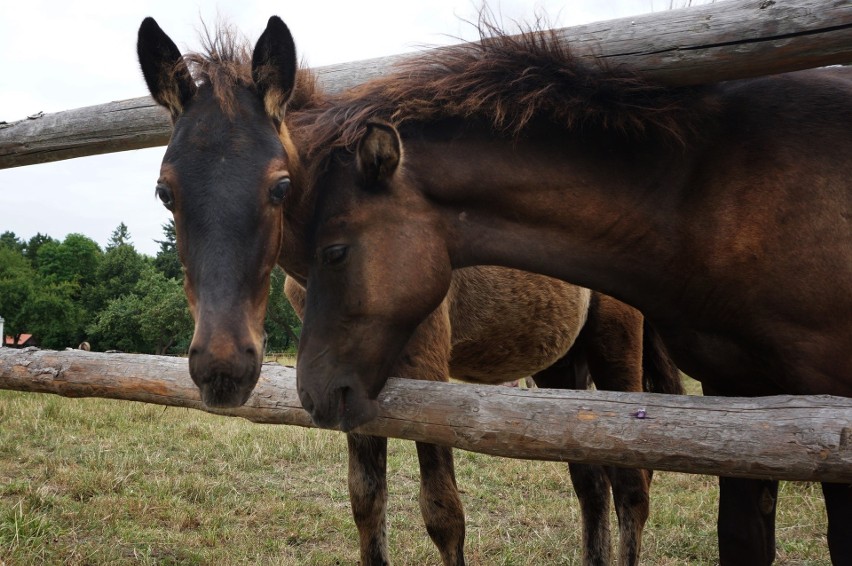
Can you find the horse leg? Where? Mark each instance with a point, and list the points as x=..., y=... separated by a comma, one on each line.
x=630, y=490
x=368, y=487
x=427, y=357
x=592, y=488
x=746, y=521
x=746, y=524
x=613, y=342
x=368, y=495
x=838, y=506
x=589, y=480
x=440, y=503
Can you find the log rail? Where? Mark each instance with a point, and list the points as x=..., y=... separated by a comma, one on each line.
x=782, y=437
x=701, y=44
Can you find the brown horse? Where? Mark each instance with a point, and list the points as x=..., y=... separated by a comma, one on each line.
x=497, y=325
x=228, y=160
x=723, y=212
x=224, y=177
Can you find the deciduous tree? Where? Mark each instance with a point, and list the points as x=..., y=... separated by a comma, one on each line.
x=75, y=259
x=9, y=240
x=153, y=318
x=16, y=287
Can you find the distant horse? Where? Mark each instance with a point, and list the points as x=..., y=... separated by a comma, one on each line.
x=723, y=212
x=225, y=176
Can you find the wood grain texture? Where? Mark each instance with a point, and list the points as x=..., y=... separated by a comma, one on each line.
x=709, y=43
x=781, y=437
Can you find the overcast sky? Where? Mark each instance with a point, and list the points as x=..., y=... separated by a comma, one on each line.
x=58, y=55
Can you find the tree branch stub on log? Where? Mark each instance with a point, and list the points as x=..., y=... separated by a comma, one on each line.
x=781, y=437
x=700, y=44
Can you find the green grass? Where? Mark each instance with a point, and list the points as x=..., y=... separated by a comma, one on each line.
x=94, y=481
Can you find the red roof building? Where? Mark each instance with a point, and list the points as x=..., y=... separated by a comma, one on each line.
x=24, y=341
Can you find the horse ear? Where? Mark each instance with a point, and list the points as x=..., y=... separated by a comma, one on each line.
x=378, y=154
x=164, y=69
x=273, y=66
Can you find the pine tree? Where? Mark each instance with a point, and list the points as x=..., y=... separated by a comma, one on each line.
x=167, y=261
x=120, y=237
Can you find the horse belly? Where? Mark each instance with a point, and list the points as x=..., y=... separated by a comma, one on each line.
x=796, y=362
x=509, y=324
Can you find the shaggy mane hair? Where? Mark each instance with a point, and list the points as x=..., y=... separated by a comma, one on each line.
x=508, y=81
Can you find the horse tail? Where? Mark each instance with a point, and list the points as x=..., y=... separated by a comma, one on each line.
x=659, y=372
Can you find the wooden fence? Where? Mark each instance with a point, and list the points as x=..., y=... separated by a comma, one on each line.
x=784, y=437
x=709, y=43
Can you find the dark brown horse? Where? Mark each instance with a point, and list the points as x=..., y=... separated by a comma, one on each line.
x=224, y=177
x=723, y=212
x=497, y=325
x=227, y=161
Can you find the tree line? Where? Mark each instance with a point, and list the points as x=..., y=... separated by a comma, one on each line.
x=68, y=292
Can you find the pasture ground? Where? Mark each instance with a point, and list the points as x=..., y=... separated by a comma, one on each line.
x=93, y=481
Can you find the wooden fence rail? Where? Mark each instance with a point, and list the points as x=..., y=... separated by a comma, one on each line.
x=783, y=437
x=709, y=43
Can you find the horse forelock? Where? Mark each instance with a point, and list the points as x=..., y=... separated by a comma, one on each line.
x=225, y=64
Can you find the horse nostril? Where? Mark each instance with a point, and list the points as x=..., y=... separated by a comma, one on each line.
x=251, y=351
x=193, y=351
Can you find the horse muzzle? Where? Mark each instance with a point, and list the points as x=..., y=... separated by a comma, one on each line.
x=338, y=407
x=225, y=382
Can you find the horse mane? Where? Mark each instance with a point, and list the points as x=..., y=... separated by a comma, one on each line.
x=225, y=63
x=509, y=82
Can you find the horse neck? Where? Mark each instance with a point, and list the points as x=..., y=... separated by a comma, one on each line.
x=579, y=211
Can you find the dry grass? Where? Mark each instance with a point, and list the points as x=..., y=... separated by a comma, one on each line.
x=97, y=481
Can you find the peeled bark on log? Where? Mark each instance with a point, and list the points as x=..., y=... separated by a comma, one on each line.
x=782, y=437
x=695, y=45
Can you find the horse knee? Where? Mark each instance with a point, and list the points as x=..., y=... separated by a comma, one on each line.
x=440, y=503
x=443, y=516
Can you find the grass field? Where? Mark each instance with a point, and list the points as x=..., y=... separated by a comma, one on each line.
x=108, y=482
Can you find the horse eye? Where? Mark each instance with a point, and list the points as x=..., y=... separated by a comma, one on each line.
x=334, y=255
x=279, y=190
x=164, y=193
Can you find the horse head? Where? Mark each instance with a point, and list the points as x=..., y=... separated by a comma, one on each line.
x=376, y=289
x=224, y=177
